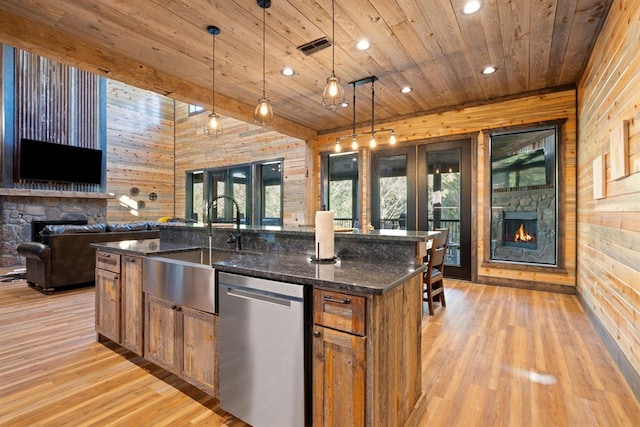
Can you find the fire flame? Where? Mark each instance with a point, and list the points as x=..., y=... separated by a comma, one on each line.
x=522, y=236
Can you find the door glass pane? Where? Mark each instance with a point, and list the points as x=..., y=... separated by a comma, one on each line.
x=240, y=192
x=393, y=192
x=443, y=198
x=197, y=196
x=343, y=185
x=271, y=178
x=217, y=189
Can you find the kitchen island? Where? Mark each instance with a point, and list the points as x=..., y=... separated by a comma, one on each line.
x=364, y=364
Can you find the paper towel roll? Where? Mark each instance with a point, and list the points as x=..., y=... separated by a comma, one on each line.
x=324, y=235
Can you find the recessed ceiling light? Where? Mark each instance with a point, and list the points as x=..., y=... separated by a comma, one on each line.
x=345, y=104
x=287, y=71
x=406, y=89
x=363, y=44
x=489, y=70
x=471, y=6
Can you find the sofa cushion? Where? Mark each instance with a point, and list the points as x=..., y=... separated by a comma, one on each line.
x=134, y=226
x=68, y=229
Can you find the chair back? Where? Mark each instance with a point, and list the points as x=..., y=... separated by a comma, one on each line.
x=442, y=239
x=436, y=261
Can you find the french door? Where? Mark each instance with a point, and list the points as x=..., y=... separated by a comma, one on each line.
x=425, y=187
x=444, y=200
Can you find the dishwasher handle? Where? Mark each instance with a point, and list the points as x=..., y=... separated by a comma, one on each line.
x=255, y=295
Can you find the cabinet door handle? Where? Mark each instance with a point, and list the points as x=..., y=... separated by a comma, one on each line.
x=316, y=333
x=129, y=260
x=328, y=298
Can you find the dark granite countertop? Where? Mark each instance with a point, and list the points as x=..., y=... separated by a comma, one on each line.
x=352, y=276
x=360, y=234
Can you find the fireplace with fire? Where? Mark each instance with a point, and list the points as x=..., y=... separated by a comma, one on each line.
x=520, y=229
x=523, y=228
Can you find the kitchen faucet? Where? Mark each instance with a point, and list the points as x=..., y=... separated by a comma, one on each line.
x=234, y=237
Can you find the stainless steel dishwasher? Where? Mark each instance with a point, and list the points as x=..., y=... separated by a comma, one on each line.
x=262, y=350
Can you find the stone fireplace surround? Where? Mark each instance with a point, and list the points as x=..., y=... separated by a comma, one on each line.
x=18, y=208
x=540, y=201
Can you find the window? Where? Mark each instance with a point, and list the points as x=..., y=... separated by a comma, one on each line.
x=524, y=196
x=196, y=199
x=393, y=192
x=236, y=183
x=393, y=188
x=271, y=191
x=195, y=109
x=261, y=200
x=341, y=187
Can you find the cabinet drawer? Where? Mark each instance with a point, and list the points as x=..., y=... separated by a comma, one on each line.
x=108, y=261
x=339, y=311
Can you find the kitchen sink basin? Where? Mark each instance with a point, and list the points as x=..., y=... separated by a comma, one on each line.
x=185, y=278
x=197, y=256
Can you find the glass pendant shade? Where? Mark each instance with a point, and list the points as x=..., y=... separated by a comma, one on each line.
x=264, y=113
x=333, y=95
x=392, y=138
x=372, y=141
x=213, y=124
x=354, y=143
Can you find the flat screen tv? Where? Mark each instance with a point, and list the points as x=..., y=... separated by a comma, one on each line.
x=46, y=161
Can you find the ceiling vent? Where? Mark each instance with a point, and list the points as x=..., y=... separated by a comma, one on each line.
x=314, y=46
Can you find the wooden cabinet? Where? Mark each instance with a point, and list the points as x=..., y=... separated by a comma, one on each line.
x=119, y=299
x=339, y=359
x=132, y=304
x=366, y=361
x=108, y=295
x=184, y=341
x=338, y=378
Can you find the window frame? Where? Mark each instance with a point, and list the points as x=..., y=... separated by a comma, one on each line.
x=254, y=203
x=559, y=188
x=356, y=192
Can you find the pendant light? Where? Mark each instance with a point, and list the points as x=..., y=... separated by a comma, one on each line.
x=333, y=94
x=372, y=134
x=213, y=122
x=263, y=114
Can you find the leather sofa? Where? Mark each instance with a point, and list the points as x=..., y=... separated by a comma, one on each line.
x=65, y=258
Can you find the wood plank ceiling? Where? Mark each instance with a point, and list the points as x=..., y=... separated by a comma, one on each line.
x=163, y=45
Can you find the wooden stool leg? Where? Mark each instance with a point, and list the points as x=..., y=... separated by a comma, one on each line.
x=430, y=300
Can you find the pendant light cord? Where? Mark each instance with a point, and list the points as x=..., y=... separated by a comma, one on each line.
x=264, y=52
x=373, y=95
x=354, y=110
x=213, y=75
x=333, y=37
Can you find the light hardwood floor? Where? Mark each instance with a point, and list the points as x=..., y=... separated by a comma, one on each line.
x=493, y=357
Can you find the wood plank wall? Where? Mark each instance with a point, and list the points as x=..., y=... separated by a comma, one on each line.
x=608, y=231
x=240, y=143
x=140, y=144
x=478, y=121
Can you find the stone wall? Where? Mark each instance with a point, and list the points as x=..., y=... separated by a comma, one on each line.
x=17, y=212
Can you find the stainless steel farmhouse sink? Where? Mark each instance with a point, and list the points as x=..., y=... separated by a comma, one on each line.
x=184, y=278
